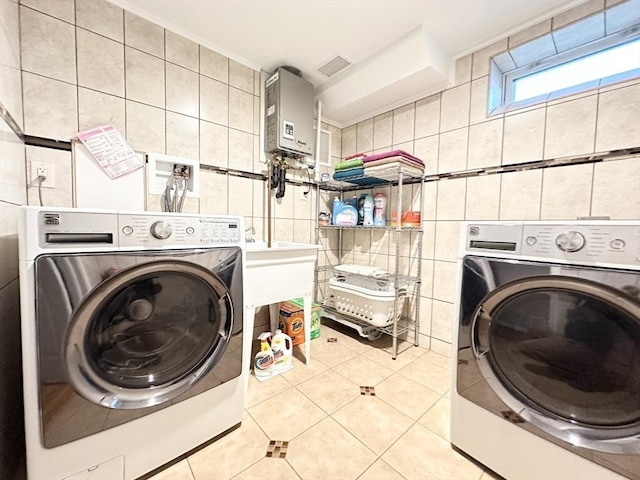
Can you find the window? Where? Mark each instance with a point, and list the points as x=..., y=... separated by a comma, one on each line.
x=596, y=51
x=615, y=60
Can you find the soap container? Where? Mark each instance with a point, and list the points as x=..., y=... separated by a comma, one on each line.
x=282, y=347
x=264, y=360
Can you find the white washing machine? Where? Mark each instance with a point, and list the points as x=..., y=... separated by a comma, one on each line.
x=547, y=349
x=132, y=329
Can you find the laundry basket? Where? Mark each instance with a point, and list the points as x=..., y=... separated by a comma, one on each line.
x=373, y=306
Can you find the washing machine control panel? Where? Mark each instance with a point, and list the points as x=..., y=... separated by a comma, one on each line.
x=604, y=243
x=151, y=230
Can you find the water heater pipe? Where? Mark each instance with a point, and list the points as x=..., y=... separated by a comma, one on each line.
x=318, y=135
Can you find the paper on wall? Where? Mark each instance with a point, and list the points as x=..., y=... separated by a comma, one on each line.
x=111, y=150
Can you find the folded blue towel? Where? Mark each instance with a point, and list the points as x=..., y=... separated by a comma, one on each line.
x=356, y=176
x=350, y=172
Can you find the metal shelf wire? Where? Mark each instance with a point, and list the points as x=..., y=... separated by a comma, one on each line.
x=399, y=278
x=399, y=176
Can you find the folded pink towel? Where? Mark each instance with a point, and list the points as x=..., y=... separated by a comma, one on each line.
x=374, y=168
x=393, y=153
x=397, y=159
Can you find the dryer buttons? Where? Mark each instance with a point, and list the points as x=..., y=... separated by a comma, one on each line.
x=127, y=229
x=570, y=241
x=531, y=240
x=161, y=230
x=617, y=244
x=190, y=230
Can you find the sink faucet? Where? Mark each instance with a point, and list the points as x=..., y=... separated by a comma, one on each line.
x=249, y=233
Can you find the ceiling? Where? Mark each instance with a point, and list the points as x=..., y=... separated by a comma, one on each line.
x=399, y=50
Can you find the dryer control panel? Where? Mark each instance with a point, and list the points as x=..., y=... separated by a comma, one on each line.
x=72, y=229
x=145, y=229
x=606, y=243
x=581, y=242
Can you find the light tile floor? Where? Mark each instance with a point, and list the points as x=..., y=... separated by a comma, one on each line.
x=333, y=431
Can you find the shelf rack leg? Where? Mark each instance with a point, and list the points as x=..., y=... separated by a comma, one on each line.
x=394, y=344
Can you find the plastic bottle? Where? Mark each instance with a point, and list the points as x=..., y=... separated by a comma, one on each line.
x=368, y=211
x=263, y=362
x=361, y=209
x=337, y=206
x=379, y=206
x=282, y=348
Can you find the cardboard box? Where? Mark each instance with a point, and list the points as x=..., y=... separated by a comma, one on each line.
x=291, y=320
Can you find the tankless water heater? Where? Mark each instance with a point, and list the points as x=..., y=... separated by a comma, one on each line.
x=288, y=114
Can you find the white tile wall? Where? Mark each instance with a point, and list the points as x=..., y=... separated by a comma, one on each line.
x=143, y=35
x=453, y=133
x=452, y=151
x=483, y=197
x=183, y=135
x=62, y=9
x=524, y=137
x=101, y=17
x=428, y=116
x=48, y=46
x=571, y=128
x=145, y=127
x=144, y=78
x=100, y=63
x=618, y=119
x=485, y=144
x=364, y=136
x=214, y=101
x=182, y=90
x=240, y=76
x=50, y=107
x=566, y=192
x=454, y=111
x=520, y=195
x=181, y=51
x=214, y=144
x=383, y=131
x=616, y=189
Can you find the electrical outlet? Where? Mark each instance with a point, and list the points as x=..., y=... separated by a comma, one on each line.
x=45, y=169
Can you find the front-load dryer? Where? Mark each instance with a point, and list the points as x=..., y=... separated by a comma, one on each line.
x=547, y=349
x=131, y=338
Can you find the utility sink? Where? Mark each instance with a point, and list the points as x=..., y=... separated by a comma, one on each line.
x=280, y=272
x=275, y=274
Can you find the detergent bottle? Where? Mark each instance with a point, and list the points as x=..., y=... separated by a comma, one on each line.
x=263, y=362
x=379, y=205
x=282, y=348
x=367, y=210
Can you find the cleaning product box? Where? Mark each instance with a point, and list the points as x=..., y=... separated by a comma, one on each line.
x=315, y=316
x=291, y=320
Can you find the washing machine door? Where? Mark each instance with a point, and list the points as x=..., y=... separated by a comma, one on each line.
x=563, y=353
x=148, y=333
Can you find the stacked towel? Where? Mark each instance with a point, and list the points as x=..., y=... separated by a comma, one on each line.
x=361, y=169
x=394, y=155
x=347, y=164
x=348, y=172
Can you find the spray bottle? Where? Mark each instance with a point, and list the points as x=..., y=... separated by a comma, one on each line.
x=263, y=363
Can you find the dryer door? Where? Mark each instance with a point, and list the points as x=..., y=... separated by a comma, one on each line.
x=148, y=333
x=564, y=353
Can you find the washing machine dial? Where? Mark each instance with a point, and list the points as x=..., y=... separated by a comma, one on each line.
x=570, y=241
x=161, y=230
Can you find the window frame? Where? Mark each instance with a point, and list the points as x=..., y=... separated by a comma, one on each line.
x=592, y=48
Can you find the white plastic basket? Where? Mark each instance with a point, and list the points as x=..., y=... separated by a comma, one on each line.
x=372, y=306
x=365, y=276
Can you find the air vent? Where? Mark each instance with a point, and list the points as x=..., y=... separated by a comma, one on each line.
x=333, y=66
